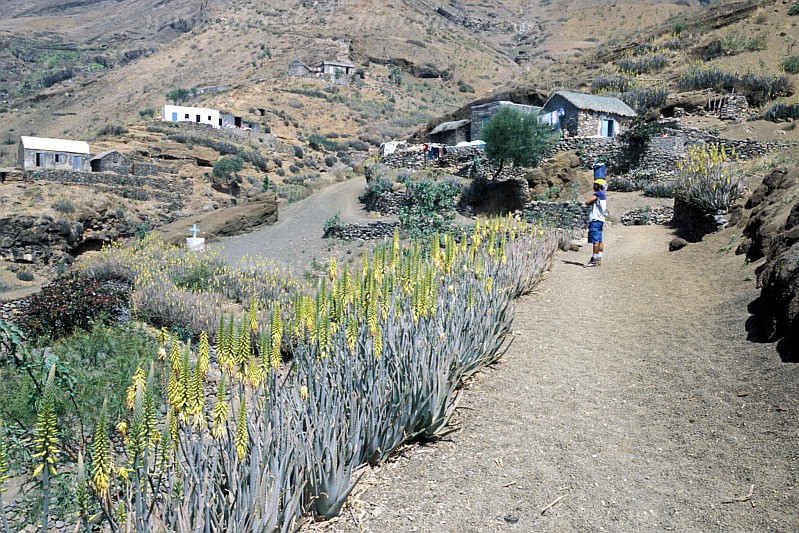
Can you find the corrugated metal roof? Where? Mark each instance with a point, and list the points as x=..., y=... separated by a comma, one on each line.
x=55, y=145
x=448, y=126
x=602, y=104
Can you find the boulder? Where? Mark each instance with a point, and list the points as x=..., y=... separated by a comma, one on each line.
x=562, y=170
x=773, y=232
x=677, y=244
x=227, y=222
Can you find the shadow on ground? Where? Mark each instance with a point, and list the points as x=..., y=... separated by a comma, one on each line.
x=759, y=329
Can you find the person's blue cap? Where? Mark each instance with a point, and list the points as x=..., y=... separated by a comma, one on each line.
x=597, y=165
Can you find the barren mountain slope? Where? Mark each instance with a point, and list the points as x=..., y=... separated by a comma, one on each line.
x=68, y=69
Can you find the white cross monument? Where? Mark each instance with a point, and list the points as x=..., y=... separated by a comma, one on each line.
x=194, y=242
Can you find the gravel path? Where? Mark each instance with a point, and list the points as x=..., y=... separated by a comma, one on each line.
x=296, y=238
x=630, y=396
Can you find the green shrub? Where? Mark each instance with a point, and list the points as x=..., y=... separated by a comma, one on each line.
x=614, y=81
x=177, y=96
x=659, y=190
x=113, y=129
x=228, y=165
x=791, y=64
x=147, y=112
x=623, y=184
x=23, y=274
x=332, y=225
x=374, y=189
x=706, y=181
x=71, y=303
x=516, y=137
x=63, y=205
x=794, y=9
x=761, y=85
x=782, y=111
x=431, y=207
x=641, y=64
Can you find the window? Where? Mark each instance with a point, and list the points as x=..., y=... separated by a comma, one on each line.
x=209, y=118
x=186, y=116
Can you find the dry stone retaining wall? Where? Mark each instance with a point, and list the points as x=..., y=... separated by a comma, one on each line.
x=371, y=231
x=568, y=215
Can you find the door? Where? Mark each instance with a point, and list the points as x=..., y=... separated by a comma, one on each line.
x=608, y=127
x=38, y=159
x=174, y=117
x=76, y=161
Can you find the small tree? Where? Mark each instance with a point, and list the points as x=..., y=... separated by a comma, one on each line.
x=177, y=96
x=226, y=166
x=511, y=135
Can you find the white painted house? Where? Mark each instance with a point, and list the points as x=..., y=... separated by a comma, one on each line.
x=198, y=115
x=40, y=152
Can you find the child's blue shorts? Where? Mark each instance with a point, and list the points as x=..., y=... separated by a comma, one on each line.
x=595, y=231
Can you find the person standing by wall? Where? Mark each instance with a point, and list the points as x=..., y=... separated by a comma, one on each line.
x=596, y=221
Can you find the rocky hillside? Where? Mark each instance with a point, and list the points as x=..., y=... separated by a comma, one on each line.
x=90, y=63
x=771, y=222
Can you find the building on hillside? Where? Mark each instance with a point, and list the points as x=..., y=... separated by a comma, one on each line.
x=451, y=133
x=111, y=161
x=587, y=115
x=197, y=115
x=41, y=153
x=335, y=69
x=481, y=114
x=298, y=69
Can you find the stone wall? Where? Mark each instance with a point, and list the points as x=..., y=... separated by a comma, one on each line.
x=568, y=215
x=140, y=168
x=388, y=203
x=413, y=158
x=614, y=150
x=183, y=187
x=371, y=231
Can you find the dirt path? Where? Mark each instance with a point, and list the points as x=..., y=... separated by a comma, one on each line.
x=630, y=396
x=296, y=238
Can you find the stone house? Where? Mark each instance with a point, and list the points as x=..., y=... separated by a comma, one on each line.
x=298, y=69
x=111, y=161
x=587, y=115
x=198, y=115
x=451, y=133
x=36, y=153
x=481, y=114
x=334, y=69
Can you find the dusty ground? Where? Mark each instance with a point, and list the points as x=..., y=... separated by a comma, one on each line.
x=630, y=396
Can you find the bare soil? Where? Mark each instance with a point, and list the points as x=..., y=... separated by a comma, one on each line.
x=630, y=395
x=631, y=398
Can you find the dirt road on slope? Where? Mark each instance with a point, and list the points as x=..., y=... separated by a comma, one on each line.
x=295, y=240
x=630, y=399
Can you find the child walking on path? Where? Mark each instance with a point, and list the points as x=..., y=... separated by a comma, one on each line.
x=596, y=220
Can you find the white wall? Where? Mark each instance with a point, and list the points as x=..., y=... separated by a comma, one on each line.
x=200, y=115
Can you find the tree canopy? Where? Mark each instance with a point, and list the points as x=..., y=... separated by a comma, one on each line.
x=511, y=135
x=178, y=95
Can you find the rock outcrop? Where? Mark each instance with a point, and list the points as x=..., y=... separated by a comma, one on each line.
x=37, y=239
x=241, y=218
x=561, y=170
x=772, y=231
